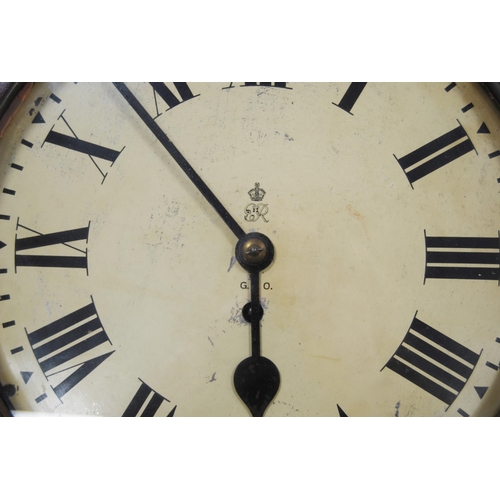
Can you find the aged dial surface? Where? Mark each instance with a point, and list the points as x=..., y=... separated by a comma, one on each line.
x=121, y=293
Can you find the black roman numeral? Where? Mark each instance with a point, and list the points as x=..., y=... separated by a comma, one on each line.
x=421, y=162
x=73, y=142
x=433, y=361
x=50, y=240
x=462, y=258
x=66, y=340
x=171, y=99
x=147, y=400
x=76, y=144
x=351, y=96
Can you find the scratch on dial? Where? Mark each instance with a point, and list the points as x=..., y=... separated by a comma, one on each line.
x=398, y=404
x=231, y=263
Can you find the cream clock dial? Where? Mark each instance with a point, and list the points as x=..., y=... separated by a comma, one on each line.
x=238, y=249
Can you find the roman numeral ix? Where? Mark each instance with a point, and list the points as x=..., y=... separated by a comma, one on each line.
x=62, y=238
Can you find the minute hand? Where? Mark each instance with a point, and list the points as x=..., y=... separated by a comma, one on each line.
x=180, y=160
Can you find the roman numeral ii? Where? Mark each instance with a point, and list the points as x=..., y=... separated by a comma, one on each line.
x=422, y=161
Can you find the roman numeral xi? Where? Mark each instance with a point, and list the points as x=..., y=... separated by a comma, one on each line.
x=434, y=362
x=183, y=93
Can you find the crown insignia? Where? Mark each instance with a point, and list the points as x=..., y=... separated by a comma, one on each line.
x=257, y=194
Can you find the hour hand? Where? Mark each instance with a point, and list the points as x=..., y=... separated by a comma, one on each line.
x=179, y=159
x=256, y=378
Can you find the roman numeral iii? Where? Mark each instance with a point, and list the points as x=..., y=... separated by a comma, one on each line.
x=434, y=362
x=462, y=258
x=70, y=340
x=422, y=161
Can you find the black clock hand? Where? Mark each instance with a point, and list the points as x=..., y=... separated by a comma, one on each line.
x=255, y=312
x=180, y=160
x=256, y=379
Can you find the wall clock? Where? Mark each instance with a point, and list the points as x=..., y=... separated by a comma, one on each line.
x=237, y=249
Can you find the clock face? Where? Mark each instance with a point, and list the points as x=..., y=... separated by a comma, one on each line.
x=374, y=207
